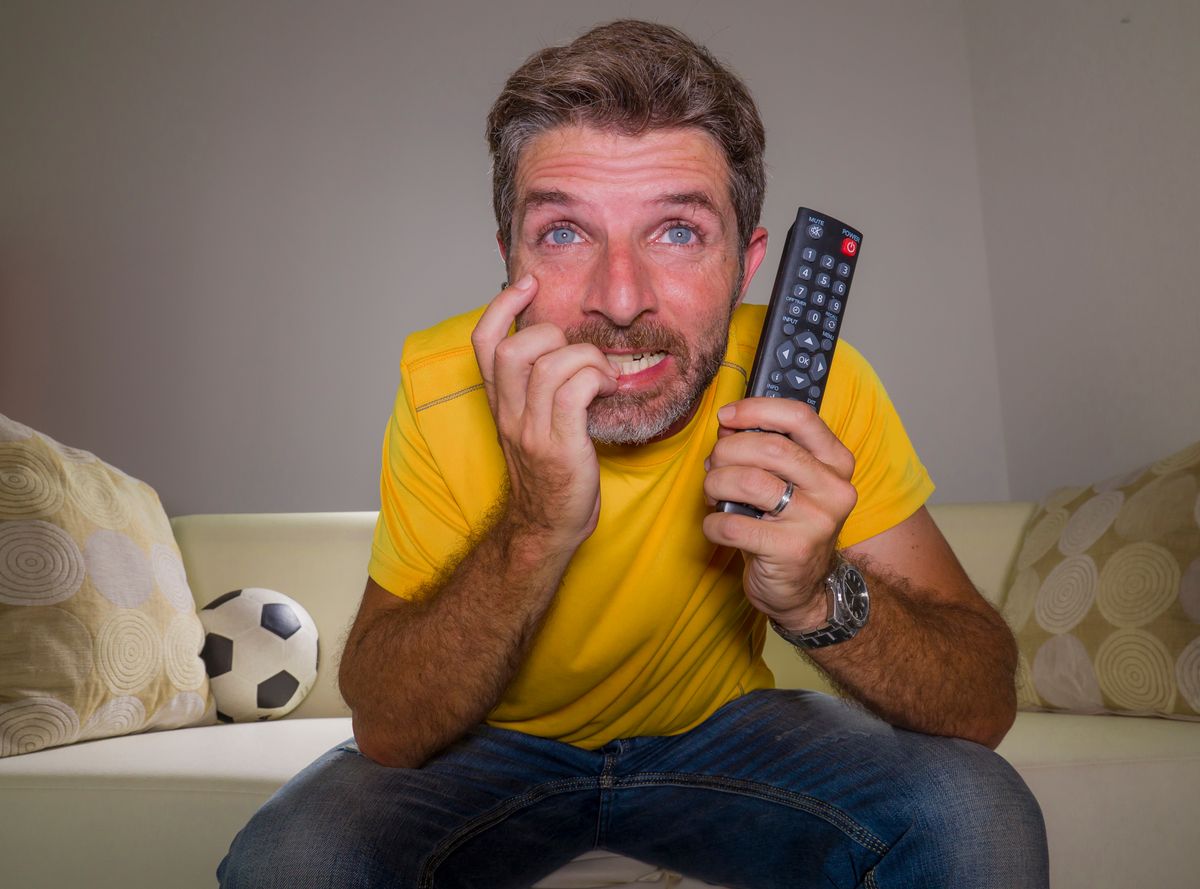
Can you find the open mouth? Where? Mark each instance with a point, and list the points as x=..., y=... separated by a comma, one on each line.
x=628, y=365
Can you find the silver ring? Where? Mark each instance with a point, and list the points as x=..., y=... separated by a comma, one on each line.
x=784, y=500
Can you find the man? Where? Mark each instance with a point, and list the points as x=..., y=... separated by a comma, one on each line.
x=559, y=646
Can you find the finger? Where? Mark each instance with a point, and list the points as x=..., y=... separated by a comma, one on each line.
x=513, y=362
x=794, y=419
x=552, y=370
x=494, y=325
x=745, y=484
x=568, y=417
x=777, y=455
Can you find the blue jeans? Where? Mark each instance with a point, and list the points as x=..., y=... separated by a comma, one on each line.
x=776, y=789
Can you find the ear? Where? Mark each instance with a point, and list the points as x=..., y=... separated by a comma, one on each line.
x=755, y=251
x=500, y=244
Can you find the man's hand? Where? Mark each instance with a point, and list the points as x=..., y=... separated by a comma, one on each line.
x=539, y=387
x=789, y=555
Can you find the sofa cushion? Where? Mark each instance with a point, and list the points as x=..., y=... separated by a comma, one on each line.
x=1105, y=595
x=98, y=630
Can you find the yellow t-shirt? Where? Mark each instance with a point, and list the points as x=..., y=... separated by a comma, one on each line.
x=650, y=632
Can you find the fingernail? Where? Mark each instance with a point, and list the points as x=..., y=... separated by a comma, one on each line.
x=726, y=413
x=707, y=464
x=525, y=282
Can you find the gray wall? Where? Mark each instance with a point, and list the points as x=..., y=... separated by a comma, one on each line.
x=1088, y=117
x=219, y=221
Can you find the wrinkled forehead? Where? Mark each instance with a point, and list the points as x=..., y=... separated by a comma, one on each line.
x=585, y=164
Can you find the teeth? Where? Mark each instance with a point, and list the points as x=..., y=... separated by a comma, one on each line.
x=633, y=364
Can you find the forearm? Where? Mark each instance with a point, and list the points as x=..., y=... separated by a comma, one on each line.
x=420, y=675
x=941, y=669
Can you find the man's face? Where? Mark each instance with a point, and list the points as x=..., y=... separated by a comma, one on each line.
x=633, y=240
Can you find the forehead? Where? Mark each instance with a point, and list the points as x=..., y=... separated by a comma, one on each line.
x=590, y=164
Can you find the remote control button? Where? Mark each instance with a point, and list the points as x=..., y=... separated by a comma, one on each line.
x=776, y=376
x=808, y=254
x=803, y=360
x=783, y=355
x=816, y=232
x=807, y=341
x=813, y=318
x=819, y=298
x=814, y=392
x=823, y=280
x=827, y=345
x=827, y=261
x=796, y=309
x=773, y=393
x=805, y=273
x=849, y=246
x=830, y=323
x=835, y=306
x=843, y=270
x=797, y=380
x=789, y=329
x=839, y=287
x=820, y=367
x=800, y=291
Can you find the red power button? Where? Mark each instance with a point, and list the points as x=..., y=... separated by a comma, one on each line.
x=849, y=246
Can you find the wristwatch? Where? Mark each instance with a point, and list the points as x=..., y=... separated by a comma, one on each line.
x=849, y=608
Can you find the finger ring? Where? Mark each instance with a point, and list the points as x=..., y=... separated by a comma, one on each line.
x=784, y=500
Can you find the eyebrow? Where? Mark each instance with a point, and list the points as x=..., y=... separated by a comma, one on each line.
x=696, y=199
x=554, y=197
x=542, y=198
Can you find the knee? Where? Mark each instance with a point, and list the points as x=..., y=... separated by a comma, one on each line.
x=976, y=812
x=279, y=848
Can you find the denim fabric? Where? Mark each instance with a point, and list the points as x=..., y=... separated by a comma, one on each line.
x=777, y=789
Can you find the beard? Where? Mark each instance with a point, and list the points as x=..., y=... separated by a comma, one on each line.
x=634, y=418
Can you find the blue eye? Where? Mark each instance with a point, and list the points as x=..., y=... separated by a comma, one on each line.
x=680, y=234
x=561, y=236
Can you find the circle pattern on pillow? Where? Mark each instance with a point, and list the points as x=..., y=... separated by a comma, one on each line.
x=1104, y=598
x=1066, y=595
x=98, y=630
x=34, y=723
x=1187, y=674
x=1042, y=537
x=96, y=496
x=39, y=564
x=128, y=652
x=1135, y=672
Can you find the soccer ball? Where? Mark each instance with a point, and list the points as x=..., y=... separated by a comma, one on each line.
x=260, y=651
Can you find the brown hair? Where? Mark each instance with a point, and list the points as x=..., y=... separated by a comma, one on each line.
x=628, y=76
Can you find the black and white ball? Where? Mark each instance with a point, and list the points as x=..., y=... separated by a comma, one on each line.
x=260, y=651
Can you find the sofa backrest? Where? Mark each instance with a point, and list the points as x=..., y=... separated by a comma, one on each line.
x=320, y=560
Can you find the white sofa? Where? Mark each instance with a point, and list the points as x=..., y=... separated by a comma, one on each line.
x=1121, y=795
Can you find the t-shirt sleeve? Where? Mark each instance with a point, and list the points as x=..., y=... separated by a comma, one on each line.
x=420, y=527
x=891, y=481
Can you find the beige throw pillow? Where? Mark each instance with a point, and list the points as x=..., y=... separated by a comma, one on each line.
x=98, y=631
x=1105, y=595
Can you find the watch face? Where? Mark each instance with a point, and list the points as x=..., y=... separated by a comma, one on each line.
x=858, y=603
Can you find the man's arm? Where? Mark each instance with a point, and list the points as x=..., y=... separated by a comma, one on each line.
x=418, y=674
x=934, y=657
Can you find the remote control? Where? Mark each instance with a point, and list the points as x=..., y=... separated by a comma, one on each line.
x=804, y=316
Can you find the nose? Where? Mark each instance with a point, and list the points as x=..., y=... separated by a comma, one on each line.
x=620, y=286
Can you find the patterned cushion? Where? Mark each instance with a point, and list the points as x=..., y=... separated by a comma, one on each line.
x=98, y=630
x=1105, y=595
